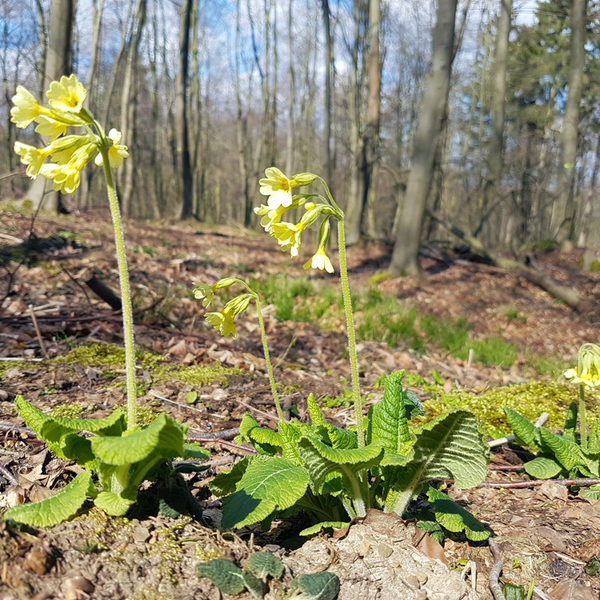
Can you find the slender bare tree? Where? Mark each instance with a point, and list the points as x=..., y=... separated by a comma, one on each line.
x=569, y=133
x=429, y=123
x=181, y=112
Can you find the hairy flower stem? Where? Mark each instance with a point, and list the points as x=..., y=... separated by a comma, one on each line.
x=351, y=334
x=125, y=294
x=582, y=418
x=267, y=358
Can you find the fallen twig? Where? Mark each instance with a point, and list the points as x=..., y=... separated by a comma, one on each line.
x=38, y=332
x=495, y=571
x=581, y=481
x=510, y=438
x=8, y=475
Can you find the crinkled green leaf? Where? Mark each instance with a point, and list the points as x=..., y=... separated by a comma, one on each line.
x=264, y=564
x=268, y=484
x=318, y=586
x=566, y=452
x=114, y=504
x=542, y=467
x=447, y=447
x=163, y=437
x=264, y=441
x=226, y=482
x=195, y=451
x=53, y=430
x=253, y=584
x=526, y=433
x=433, y=528
x=592, y=493
x=320, y=460
x=318, y=527
x=388, y=422
x=57, y=508
x=290, y=434
x=226, y=575
x=454, y=517
x=513, y=592
x=571, y=422
x=316, y=416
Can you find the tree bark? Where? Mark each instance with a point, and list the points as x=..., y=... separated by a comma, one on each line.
x=567, y=205
x=406, y=246
x=494, y=161
x=129, y=105
x=181, y=109
x=59, y=61
x=328, y=92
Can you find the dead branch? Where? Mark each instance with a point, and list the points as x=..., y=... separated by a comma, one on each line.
x=566, y=294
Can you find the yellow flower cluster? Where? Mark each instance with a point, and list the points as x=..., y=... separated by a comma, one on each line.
x=68, y=153
x=280, y=200
x=587, y=371
x=222, y=321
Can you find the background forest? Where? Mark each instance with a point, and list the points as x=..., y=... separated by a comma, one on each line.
x=483, y=114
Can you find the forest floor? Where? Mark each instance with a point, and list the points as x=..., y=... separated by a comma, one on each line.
x=547, y=534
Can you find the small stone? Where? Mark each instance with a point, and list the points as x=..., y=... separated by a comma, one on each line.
x=140, y=534
x=412, y=582
x=422, y=577
x=78, y=583
x=384, y=550
x=364, y=549
x=421, y=595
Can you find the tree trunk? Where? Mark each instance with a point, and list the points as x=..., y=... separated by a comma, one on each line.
x=289, y=162
x=129, y=106
x=59, y=62
x=242, y=125
x=328, y=92
x=567, y=206
x=354, y=206
x=88, y=174
x=181, y=109
x=408, y=237
x=371, y=134
x=494, y=161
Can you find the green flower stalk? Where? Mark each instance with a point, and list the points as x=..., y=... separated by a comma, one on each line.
x=223, y=321
x=280, y=200
x=62, y=160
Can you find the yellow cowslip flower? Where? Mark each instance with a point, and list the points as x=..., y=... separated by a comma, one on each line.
x=67, y=94
x=26, y=108
x=50, y=128
x=222, y=322
x=278, y=187
x=204, y=292
x=32, y=157
x=587, y=371
x=116, y=153
x=65, y=172
x=270, y=215
x=288, y=236
x=320, y=260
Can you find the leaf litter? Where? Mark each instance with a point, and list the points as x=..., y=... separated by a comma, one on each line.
x=545, y=533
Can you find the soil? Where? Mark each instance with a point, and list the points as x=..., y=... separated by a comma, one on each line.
x=547, y=534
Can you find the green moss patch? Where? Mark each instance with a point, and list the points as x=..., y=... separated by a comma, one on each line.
x=204, y=375
x=530, y=399
x=108, y=355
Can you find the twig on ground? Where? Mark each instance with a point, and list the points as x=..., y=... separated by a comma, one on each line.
x=38, y=332
x=506, y=467
x=262, y=413
x=6, y=473
x=495, y=571
x=581, y=481
x=509, y=438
